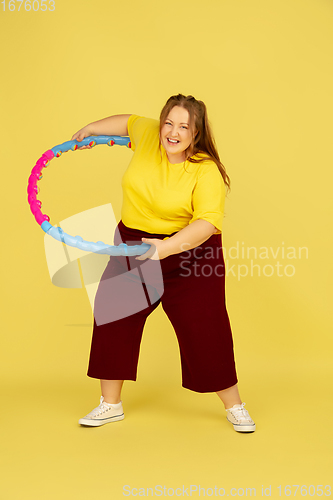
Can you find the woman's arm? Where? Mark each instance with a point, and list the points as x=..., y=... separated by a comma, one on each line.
x=113, y=125
x=189, y=237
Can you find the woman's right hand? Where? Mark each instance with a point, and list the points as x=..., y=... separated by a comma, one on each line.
x=81, y=134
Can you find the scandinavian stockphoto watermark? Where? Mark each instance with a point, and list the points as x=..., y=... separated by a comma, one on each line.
x=118, y=288
x=196, y=490
x=242, y=261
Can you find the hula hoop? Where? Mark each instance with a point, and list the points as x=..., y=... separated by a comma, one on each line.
x=56, y=232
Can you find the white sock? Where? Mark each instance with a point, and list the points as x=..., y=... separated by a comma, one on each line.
x=115, y=405
x=237, y=404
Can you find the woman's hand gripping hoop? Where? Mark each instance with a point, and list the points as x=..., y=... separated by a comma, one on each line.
x=56, y=232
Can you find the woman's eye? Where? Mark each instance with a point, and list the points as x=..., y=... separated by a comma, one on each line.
x=183, y=126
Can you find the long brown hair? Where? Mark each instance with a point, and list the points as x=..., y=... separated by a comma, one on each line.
x=203, y=140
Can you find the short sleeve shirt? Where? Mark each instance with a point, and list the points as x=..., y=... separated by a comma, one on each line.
x=161, y=197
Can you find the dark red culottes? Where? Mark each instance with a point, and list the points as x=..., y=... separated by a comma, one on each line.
x=191, y=288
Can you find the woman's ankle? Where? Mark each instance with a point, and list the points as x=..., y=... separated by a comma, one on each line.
x=111, y=390
x=112, y=401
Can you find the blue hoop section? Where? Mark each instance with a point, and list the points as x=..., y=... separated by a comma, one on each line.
x=77, y=241
x=92, y=140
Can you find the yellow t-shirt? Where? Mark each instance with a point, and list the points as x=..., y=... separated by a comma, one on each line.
x=162, y=198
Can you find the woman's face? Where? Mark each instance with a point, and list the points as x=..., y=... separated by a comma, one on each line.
x=176, y=135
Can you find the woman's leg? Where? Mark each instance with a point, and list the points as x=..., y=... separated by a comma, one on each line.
x=194, y=301
x=230, y=396
x=111, y=390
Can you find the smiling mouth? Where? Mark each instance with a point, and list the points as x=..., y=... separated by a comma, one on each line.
x=171, y=142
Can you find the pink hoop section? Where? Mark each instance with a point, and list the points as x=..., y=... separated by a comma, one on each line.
x=33, y=189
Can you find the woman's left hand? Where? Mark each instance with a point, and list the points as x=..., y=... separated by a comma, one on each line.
x=157, y=251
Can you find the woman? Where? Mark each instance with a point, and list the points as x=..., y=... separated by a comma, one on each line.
x=174, y=193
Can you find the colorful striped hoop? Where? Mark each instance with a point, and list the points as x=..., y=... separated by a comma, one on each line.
x=56, y=232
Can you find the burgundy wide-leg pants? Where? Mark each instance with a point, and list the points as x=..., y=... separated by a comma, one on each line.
x=191, y=288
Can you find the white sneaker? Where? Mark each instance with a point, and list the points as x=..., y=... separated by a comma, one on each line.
x=240, y=418
x=103, y=414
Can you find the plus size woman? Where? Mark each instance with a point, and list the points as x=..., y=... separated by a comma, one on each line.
x=173, y=200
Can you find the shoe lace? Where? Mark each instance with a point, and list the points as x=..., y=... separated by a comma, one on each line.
x=240, y=413
x=101, y=408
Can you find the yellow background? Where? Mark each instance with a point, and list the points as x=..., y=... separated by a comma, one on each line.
x=264, y=70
